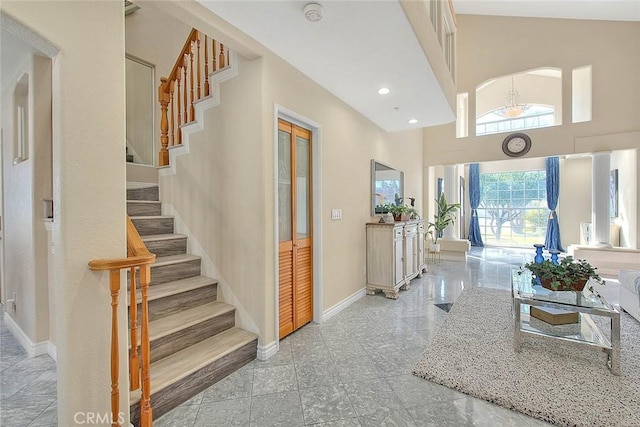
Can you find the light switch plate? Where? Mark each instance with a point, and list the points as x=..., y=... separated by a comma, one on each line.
x=336, y=213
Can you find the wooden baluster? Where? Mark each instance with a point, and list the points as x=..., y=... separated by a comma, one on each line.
x=198, y=66
x=172, y=116
x=146, y=412
x=164, y=138
x=185, y=91
x=114, y=286
x=222, y=59
x=191, y=86
x=206, y=67
x=134, y=365
x=178, y=110
x=214, y=56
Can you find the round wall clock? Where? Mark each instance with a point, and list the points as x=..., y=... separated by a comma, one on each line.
x=516, y=145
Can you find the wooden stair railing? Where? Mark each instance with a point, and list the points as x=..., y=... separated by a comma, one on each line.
x=138, y=257
x=187, y=83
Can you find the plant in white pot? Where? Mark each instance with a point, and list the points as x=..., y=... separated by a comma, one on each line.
x=445, y=216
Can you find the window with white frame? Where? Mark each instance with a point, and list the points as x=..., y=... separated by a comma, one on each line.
x=527, y=100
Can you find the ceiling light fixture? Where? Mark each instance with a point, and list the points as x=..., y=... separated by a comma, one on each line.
x=413, y=121
x=384, y=90
x=513, y=109
x=313, y=12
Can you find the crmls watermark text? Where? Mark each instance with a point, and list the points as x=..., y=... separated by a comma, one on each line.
x=97, y=418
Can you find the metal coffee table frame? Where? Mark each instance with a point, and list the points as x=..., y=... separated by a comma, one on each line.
x=525, y=294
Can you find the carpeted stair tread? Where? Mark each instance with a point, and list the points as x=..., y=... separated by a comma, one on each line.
x=174, y=259
x=171, y=369
x=173, y=288
x=186, y=318
x=158, y=237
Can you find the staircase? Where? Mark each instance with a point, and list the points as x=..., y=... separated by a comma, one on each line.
x=193, y=338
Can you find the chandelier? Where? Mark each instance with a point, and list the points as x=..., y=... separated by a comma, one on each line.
x=513, y=109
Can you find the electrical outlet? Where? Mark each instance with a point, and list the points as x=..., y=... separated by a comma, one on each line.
x=336, y=213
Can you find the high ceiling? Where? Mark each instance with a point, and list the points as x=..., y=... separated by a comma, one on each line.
x=357, y=48
x=362, y=45
x=607, y=10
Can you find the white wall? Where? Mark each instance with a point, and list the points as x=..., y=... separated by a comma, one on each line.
x=88, y=188
x=626, y=161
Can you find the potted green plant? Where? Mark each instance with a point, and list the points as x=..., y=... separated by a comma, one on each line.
x=402, y=212
x=446, y=215
x=567, y=275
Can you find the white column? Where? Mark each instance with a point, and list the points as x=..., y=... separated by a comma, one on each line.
x=450, y=192
x=600, y=221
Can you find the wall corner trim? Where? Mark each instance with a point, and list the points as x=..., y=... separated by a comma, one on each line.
x=332, y=311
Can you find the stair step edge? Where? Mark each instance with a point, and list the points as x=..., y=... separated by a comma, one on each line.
x=157, y=202
x=184, y=319
x=174, y=288
x=159, y=237
x=152, y=217
x=172, y=369
x=174, y=259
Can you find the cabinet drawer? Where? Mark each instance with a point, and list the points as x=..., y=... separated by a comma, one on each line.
x=410, y=229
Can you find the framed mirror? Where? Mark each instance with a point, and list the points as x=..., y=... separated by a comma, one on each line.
x=387, y=186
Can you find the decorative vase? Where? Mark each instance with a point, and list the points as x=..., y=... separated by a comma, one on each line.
x=434, y=247
x=539, y=258
x=575, y=286
x=388, y=218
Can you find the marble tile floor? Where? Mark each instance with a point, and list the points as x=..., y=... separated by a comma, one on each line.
x=27, y=385
x=353, y=370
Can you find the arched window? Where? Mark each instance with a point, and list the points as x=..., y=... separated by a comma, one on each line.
x=532, y=116
x=528, y=100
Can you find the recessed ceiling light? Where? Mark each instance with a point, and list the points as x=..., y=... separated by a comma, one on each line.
x=413, y=121
x=384, y=90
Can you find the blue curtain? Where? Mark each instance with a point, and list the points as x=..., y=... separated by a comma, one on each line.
x=474, y=197
x=552, y=240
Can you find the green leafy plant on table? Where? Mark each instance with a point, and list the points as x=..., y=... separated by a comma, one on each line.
x=568, y=275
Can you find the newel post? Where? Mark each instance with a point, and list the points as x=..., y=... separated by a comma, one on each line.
x=163, y=97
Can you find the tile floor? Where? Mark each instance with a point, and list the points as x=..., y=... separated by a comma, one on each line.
x=353, y=370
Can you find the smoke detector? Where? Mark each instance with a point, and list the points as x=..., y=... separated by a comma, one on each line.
x=313, y=12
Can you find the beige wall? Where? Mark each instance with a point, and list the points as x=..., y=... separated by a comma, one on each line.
x=348, y=143
x=26, y=184
x=612, y=48
x=224, y=189
x=217, y=193
x=150, y=35
x=89, y=190
x=574, y=203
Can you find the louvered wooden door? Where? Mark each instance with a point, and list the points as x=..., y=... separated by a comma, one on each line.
x=295, y=258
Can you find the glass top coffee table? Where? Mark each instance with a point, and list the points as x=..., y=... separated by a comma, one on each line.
x=586, y=333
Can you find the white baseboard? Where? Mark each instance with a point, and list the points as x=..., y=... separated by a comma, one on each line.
x=332, y=311
x=266, y=351
x=52, y=351
x=32, y=349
